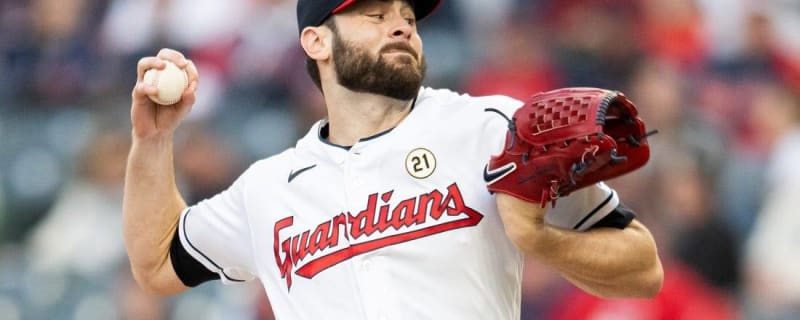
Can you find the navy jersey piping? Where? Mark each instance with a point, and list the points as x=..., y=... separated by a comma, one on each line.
x=186, y=236
x=323, y=132
x=596, y=209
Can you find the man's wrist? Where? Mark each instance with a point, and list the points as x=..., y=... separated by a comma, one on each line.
x=153, y=140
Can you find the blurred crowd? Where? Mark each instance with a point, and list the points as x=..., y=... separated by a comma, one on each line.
x=719, y=79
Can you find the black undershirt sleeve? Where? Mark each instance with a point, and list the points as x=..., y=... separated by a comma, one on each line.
x=620, y=218
x=191, y=272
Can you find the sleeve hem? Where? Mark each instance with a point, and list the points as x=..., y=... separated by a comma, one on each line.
x=190, y=271
x=200, y=257
x=620, y=218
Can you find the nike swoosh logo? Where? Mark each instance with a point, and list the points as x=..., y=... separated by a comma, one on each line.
x=293, y=174
x=492, y=176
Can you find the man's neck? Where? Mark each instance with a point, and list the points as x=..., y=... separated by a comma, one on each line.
x=355, y=115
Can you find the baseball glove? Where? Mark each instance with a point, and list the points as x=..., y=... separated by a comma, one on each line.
x=566, y=139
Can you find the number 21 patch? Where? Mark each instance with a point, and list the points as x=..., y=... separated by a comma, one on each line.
x=420, y=163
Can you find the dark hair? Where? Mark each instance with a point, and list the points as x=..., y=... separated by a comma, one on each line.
x=311, y=65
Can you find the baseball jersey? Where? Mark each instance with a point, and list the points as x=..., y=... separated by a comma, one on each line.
x=398, y=226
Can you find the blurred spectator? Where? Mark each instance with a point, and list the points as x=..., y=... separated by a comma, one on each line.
x=723, y=26
x=763, y=55
x=65, y=49
x=683, y=296
x=515, y=65
x=729, y=95
x=773, y=286
x=593, y=42
x=77, y=247
x=136, y=27
x=672, y=30
x=662, y=95
x=264, y=64
x=205, y=166
x=86, y=215
x=660, y=91
x=541, y=288
x=488, y=19
x=677, y=183
x=698, y=237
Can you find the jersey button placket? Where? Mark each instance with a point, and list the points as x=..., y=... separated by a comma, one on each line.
x=356, y=175
x=373, y=286
x=356, y=200
x=370, y=278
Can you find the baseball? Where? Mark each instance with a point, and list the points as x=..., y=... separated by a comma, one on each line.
x=170, y=81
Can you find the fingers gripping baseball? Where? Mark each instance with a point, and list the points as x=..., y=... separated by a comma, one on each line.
x=151, y=114
x=567, y=139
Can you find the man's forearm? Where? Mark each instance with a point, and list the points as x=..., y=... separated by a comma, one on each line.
x=151, y=206
x=604, y=261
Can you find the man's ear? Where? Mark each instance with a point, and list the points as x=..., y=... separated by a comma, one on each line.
x=316, y=42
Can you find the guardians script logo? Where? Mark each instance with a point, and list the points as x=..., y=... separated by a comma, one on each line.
x=412, y=218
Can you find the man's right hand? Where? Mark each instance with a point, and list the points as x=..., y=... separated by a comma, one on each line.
x=149, y=119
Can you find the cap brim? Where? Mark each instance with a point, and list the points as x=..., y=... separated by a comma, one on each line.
x=422, y=8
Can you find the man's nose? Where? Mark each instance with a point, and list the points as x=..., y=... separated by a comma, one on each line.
x=401, y=28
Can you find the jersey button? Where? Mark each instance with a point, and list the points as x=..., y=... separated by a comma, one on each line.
x=366, y=265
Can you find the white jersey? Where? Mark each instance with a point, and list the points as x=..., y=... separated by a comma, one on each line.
x=398, y=226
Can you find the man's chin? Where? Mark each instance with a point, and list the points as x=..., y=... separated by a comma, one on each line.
x=410, y=69
x=400, y=58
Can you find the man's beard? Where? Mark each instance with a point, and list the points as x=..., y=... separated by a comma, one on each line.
x=359, y=71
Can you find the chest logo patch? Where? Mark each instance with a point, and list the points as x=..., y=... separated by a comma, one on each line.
x=420, y=163
x=380, y=224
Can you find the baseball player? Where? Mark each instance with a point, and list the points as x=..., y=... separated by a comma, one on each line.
x=382, y=211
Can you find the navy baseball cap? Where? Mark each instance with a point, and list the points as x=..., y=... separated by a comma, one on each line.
x=312, y=13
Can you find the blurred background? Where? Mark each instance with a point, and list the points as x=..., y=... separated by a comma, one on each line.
x=720, y=80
